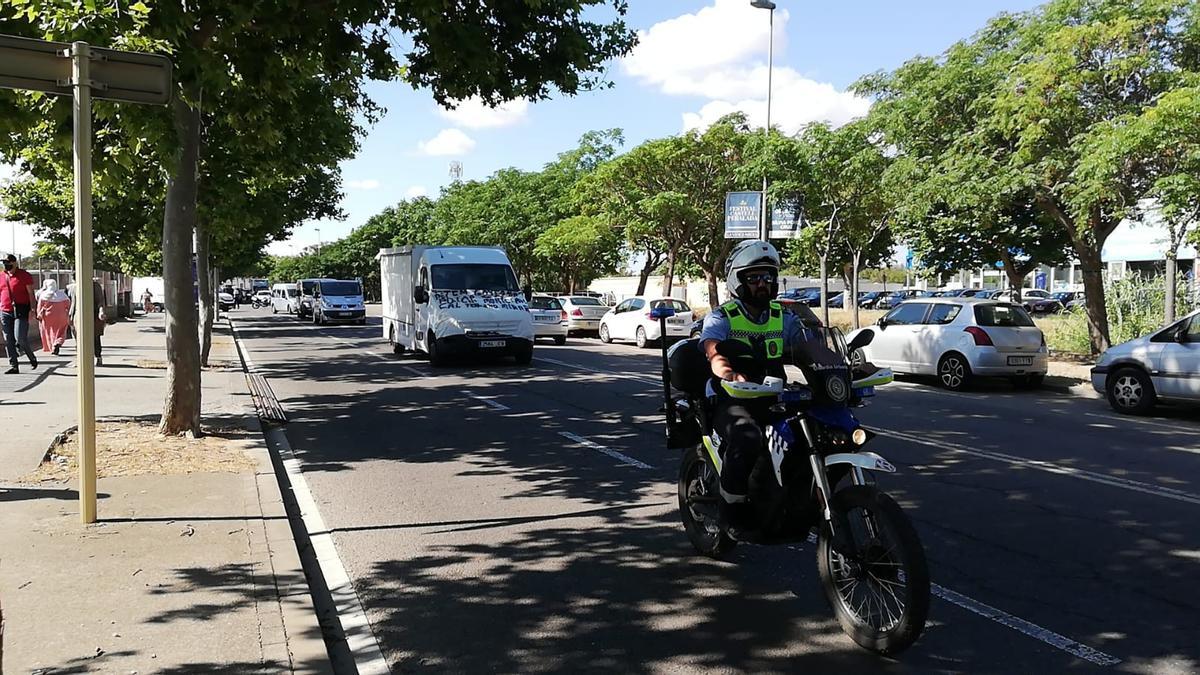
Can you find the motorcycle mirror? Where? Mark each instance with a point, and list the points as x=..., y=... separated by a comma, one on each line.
x=861, y=340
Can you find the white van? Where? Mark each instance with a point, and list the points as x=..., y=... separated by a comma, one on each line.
x=338, y=301
x=284, y=298
x=447, y=300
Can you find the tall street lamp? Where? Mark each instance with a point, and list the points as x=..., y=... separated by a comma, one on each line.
x=770, y=7
x=318, y=240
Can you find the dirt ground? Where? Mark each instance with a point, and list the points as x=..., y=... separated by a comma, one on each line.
x=136, y=448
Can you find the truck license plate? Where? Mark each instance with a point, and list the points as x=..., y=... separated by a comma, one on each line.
x=491, y=343
x=1020, y=360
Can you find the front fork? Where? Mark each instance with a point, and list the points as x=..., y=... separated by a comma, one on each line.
x=825, y=491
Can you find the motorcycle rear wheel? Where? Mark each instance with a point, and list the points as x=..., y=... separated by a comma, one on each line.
x=699, y=490
x=880, y=591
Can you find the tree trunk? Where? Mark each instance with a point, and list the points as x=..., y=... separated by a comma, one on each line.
x=181, y=409
x=1093, y=289
x=669, y=277
x=714, y=299
x=1169, y=305
x=824, y=257
x=852, y=297
x=204, y=277
x=644, y=275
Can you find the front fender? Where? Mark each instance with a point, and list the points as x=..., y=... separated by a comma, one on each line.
x=863, y=460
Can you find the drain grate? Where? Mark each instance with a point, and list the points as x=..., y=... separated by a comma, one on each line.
x=265, y=401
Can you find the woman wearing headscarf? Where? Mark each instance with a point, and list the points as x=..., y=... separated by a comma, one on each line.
x=52, y=309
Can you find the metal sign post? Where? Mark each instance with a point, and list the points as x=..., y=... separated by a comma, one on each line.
x=83, y=72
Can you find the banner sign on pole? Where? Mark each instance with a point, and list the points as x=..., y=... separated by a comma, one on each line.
x=786, y=221
x=742, y=212
x=42, y=65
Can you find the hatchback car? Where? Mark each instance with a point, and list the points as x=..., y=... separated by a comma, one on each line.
x=583, y=313
x=630, y=320
x=549, y=318
x=226, y=301
x=1164, y=365
x=958, y=339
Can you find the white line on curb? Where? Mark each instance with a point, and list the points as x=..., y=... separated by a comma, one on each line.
x=488, y=401
x=368, y=657
x=360, y=640
x=625, y=459
x=1049, y=467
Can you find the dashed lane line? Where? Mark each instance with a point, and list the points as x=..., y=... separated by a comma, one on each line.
x=487, y=401
x=625, y=459
x=1048, y=467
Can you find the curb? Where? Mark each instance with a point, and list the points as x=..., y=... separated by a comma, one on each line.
x=291, y=634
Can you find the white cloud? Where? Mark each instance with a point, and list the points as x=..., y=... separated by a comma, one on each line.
x=447, y=142
x=416, y=191
x=473, y=113
x=368, y=184
x=719, y=53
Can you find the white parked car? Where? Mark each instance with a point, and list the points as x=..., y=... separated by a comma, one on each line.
x=1164, y=365
x=630, y=320
x=957, y=339
x=583, y=312
x=225, y=301
x=549, y=318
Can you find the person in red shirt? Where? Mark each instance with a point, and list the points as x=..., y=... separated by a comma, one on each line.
x=16, y=301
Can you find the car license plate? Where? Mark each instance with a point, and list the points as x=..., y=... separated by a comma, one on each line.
x=491, y=343
x=1020, y=360
x=546, y=319
x=675, y=322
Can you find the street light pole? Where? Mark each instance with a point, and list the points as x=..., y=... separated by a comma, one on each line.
x=764, y=226
x=318, y=241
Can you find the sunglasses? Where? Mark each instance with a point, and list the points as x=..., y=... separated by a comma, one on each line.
x=759, y=278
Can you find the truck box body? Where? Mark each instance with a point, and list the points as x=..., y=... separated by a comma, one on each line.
x=470, y=301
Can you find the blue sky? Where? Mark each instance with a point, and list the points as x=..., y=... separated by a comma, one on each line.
x=698, y=59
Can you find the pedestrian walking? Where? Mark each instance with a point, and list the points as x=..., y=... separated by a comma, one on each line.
x=16, y=308
x=53, y=310
x=147, y=301
x=98, y=315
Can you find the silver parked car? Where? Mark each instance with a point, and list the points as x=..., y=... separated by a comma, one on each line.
x=549, y=319
x=583, y=313
x=1164, y=365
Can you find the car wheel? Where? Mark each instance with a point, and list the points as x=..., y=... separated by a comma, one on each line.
x=274, y=310
x=1130, y=391
x=560, y=340
x=642, y=342
x=954, y=373
x=525, y=356
x=604, y=336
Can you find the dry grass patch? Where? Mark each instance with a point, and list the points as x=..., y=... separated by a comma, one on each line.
x=137, y=449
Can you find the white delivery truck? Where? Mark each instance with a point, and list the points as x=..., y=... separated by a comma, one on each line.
x=451, y=300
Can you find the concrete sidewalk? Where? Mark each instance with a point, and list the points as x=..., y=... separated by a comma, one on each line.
x=183, y=573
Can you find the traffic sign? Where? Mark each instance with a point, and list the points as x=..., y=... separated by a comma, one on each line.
x=42, y=65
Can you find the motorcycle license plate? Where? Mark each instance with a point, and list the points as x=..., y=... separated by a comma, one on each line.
x=491, y=343
x=1020, y=360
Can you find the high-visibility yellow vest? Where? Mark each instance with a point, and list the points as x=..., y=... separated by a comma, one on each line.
x=765, y=339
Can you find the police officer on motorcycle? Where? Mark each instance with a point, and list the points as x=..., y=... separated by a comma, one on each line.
x=755, y=319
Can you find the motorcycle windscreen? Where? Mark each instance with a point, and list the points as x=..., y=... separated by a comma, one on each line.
x=825, y=370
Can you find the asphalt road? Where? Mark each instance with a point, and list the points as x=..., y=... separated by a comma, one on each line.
x=495, y=517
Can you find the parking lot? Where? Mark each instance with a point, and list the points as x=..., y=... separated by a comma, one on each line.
x=1060, y=535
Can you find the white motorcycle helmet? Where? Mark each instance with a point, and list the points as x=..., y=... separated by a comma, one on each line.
x=750, y=254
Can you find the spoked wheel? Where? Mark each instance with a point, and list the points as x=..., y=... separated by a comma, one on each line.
x=954, y=372
x=879, y=586
x=699, y=493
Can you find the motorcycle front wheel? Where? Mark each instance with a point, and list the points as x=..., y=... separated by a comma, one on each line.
x=699, y=492
x=879, y=586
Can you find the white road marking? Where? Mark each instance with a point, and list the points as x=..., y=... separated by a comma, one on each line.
x=487, y=400
x=1183, y=427
x=625, y=459
x=359, y=347
x=360, y=639
x=1020, y=625
x=608, y=373
x=1049, y=467
x=414, y=371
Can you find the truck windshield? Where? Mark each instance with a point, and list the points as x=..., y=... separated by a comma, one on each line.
x=340, y=288
x=473, y=277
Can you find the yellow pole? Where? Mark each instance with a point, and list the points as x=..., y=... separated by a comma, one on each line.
x=85, y=311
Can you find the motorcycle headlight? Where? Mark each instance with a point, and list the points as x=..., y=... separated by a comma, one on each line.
x=859, y=436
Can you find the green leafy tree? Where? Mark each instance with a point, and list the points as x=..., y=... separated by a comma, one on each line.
x=224, y=53
x=577, y=250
